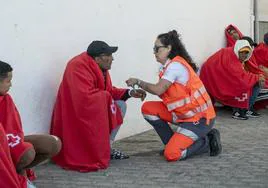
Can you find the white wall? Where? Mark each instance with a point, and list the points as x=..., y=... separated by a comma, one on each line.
x=262, y=6
x=39, y=37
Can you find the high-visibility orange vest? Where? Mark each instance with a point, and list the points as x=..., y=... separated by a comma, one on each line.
x=187, y=103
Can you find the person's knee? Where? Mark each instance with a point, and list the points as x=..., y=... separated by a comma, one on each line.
x=56, y=145
x=26, y=159
x=172, y=151
x=122, y=106
x=171, y=154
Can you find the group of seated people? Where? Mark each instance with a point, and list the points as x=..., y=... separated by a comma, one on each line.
x=237, y=76
x=89, y=110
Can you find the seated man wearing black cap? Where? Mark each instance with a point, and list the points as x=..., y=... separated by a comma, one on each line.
x=89, y=110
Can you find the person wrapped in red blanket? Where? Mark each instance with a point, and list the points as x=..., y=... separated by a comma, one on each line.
x=8, y=175
x=232, y=34
x=89, y=110
x=227, y=81
x=261, y=52
x=26, y=151
x=258, y=65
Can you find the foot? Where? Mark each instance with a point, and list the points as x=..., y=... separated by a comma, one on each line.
x=239, y=115
x=116, y=154
x=252, y=114
x=214, y=142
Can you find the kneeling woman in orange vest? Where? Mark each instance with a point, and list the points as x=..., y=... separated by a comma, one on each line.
x=185, y=103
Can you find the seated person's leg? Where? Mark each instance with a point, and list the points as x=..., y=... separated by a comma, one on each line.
x=255, y=92
x=123, y=108
x=22, y=153
x=25, y=160
x=115, y=153
x=45, y=146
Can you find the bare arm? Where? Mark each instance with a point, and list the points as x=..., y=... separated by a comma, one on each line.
x=155, y=89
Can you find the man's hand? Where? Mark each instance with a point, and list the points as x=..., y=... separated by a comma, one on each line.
x=261, y=81
x=138, y=93
x=265, y=70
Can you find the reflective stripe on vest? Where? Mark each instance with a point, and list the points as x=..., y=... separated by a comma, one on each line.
x=191, y=113
x=186, y=100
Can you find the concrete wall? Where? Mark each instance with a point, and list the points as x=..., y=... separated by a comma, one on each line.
x=261, y=22
x=262, y=6
x=39, y=37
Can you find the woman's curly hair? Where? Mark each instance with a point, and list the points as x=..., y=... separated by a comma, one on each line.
x=172, y=38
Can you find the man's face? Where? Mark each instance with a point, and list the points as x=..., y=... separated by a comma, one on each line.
x=105, y=61
x=5, y=84
x=243, y=56
x=234, y=34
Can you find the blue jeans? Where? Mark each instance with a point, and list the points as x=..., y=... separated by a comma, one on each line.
x=123, y=108
x=255, y=92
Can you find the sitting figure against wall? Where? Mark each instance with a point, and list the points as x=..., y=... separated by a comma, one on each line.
x=228, y=78
x=232, y=34
x=89, y=110
x=9, y=178
x=26, y=151
x=259, y=65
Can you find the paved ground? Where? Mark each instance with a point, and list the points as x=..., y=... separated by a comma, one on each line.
x=243, y=163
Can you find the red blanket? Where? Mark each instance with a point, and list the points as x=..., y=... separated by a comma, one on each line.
x=84, y=115
x=11, y=122
x=229, y=39
x=8, y=175
x=226, y=80
x=260, y=53
x=10, y=119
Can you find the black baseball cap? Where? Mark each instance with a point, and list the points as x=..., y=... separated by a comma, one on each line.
x=97, y=48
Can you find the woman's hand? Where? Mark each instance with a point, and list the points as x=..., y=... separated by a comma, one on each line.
x=132, y=81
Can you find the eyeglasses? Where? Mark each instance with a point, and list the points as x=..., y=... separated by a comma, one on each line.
x=156, y=48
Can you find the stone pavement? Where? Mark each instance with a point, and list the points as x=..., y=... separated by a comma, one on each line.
x=243, y=163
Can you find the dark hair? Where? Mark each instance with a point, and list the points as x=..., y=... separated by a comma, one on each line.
x=250, y=41
x=4, y=70
x=172, y=38
x=265, y=38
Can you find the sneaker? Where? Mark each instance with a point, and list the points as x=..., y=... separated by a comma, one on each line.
x=252, y=114
x=116, y=154
x=239, y=115
x=30, y=184
x=214, y=142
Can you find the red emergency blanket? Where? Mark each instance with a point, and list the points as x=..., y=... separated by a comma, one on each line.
x=260, y=53
x=8, y=175
x=226, y=80
x=10, y=119
x=229, y=39
x=84, y=115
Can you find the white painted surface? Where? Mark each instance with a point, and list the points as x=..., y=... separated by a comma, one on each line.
x=39, y=37
x=262, y=6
